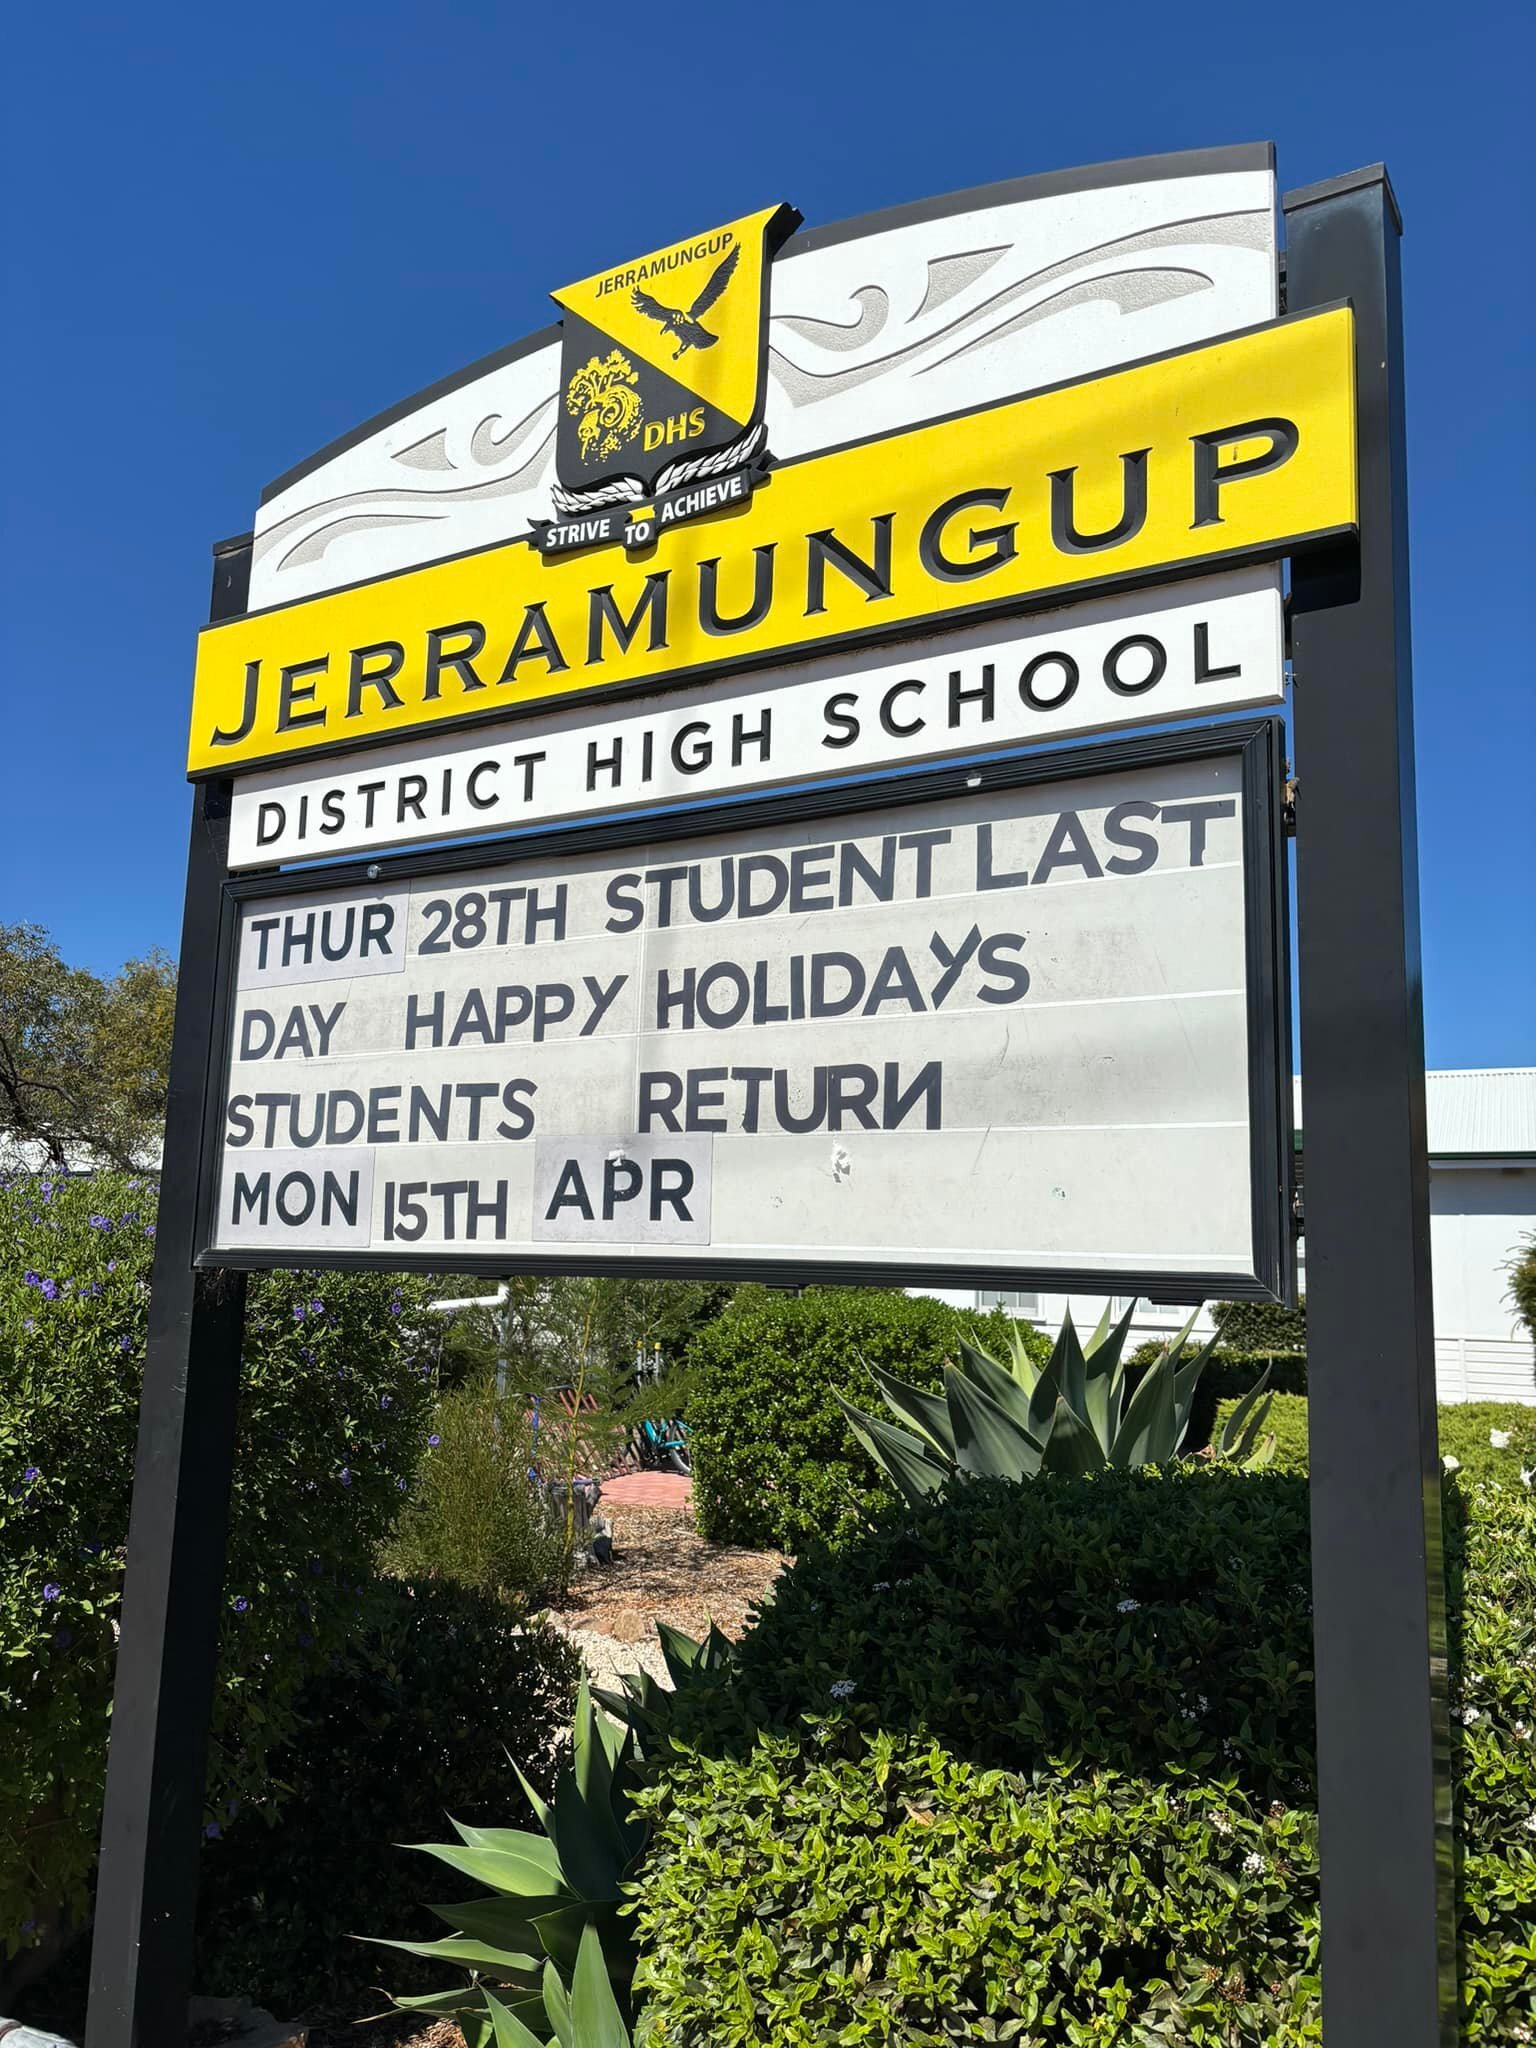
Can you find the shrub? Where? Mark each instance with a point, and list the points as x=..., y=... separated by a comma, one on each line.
x=475, y=1516
x=415, y=1716
x=1260, y=1326
x=980, y=1767
x=904, y=1895
x=1490, y=1555
x=1084, y=1617
x=1035, y=1763
x=1466, y=1430
x=774, y=1463
x=332, y=1417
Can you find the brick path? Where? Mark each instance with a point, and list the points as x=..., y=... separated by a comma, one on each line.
x=648, y=1490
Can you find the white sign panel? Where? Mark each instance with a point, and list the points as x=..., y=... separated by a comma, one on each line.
x=877, y=323
x=1006, y=1032
x=1213, y=644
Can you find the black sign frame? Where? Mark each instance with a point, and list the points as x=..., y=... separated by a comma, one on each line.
x=1258, y=747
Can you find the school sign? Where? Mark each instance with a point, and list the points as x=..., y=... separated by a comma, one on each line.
x=782, y=774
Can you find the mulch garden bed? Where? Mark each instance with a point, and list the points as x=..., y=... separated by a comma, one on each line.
x=664, y=1570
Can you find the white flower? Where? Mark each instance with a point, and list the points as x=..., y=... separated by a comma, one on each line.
x=843, y=1688
x=1529, y=1823
x=1254, y=1865
x=1522, y=1733
x=1202, y=1702
x=1451, y=1464
x=882, y=1586
x=1222, y=1823
x=1526, y=1475
x=1127, y=1606
x=1466, y=1715
x=1499, y=1438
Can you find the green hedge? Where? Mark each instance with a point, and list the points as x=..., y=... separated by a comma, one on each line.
x=1234, y=1372
x=774, y=1461
x=1260, y=1326
x=1467, y=1430
x=1034, y=1763
x=334, y=1398
x=416, y=1719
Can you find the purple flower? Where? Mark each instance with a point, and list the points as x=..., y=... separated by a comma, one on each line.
x=386, y=1400
x=400, y=1485
x=434, y=1439
x=111, y=1265
x=241, y=1604
x=31, y=1279
x=233, y=1808
x=212, y=1832
x=51, y=1591
x=99, y=1222
x=346, y=1475
x=49, y=1290
x=31, y=1473
x=394, y=1308
x=299, y=1312
x=317, y=1308
x=125, y=1343
x=149, y=1230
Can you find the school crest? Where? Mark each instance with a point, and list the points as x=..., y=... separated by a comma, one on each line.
x=662, y=370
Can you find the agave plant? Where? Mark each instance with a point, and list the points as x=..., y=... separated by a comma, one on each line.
x=552, y=1902
x=1014, y=1419
x=586, y=2017
x=643, y=1701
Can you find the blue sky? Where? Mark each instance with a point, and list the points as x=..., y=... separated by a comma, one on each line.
x=232, y=234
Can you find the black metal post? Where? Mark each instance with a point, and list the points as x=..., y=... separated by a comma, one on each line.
x=1388, y=1916
x=146, y=1896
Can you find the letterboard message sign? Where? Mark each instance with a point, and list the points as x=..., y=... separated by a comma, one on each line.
x=1022, y=1029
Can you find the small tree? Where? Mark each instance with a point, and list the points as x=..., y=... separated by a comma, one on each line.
x=83, y=1062
x=1522, y=1281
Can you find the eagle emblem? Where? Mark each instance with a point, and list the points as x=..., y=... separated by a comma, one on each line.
x=659, y=412
x=686, y=327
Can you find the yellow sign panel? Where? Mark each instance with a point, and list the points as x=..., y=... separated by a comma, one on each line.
x=1240, y=449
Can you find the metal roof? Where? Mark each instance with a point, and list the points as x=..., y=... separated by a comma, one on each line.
x=1482, y=1109
x=1476, y=1112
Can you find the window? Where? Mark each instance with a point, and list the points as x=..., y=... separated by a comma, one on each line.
x=1016, y=1304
